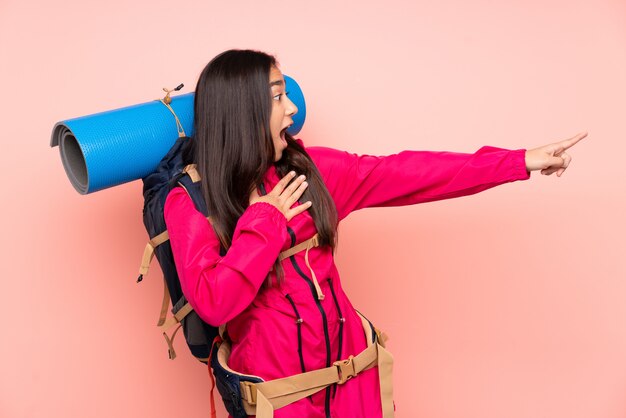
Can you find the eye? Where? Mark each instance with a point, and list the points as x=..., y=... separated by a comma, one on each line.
x=278, y=95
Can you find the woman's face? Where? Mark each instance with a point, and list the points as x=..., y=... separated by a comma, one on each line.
x=282, y=111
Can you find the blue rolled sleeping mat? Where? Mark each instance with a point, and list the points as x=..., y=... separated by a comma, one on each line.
x=117, y=146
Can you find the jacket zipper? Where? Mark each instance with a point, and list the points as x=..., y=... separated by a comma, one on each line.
x=342, y=320
x=299, y=324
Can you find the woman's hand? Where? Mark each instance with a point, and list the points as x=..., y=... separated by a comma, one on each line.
x=284, y=195
x=552, y=157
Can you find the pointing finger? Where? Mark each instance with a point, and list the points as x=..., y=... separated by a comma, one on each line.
x=572, y=141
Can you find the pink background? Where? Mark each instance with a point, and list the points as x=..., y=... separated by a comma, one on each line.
x=510, y=303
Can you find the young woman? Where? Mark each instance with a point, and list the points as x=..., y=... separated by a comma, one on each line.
x=266, y=192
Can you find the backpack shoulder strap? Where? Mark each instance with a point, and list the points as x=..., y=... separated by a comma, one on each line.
x=191, y=169
x=188, y=183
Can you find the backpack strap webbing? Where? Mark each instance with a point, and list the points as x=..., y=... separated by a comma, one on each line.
x=178, y=316
x=170, y=342
x=166, y=103
x=216, y=340
x=261, y=399
x=306, y=245
x=313, y=241
x=274, y=394
x=164, y=304
x=148, y=253
x=191, y=169
x=172, y=321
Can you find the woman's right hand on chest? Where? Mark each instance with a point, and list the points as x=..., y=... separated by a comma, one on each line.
x=284, y=195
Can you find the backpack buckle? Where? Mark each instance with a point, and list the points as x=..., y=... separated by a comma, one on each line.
x=345, y=370
x=248, y=391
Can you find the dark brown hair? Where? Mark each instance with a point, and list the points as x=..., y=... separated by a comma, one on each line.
x=234, y=148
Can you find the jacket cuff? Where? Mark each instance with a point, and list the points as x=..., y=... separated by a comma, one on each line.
x=261, y=213
x=518, y=167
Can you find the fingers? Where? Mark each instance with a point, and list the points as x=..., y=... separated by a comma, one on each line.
x=280, y=186
x=294, y=195
x=549, y=171
x=286, y=192
x=557, y=165
x=563, y=145
x=293, y=187
x=291, y=194
x=297, y=210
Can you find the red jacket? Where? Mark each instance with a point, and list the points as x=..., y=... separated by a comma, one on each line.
x=262, y=323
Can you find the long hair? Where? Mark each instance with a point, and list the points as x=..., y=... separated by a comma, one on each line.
x=233, y=145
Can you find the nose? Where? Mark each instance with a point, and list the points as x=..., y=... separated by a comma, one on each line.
x=291, y=109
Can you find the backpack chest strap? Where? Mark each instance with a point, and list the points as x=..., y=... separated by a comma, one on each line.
x=310, y=243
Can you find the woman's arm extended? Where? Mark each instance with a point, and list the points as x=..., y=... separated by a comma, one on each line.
x=409, y=177
x=219, y=288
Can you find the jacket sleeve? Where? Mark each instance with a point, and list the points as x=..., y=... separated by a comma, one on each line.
x=409, y=177
x=219, y=288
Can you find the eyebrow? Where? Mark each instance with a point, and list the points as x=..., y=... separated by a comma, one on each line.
x=277, y=83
